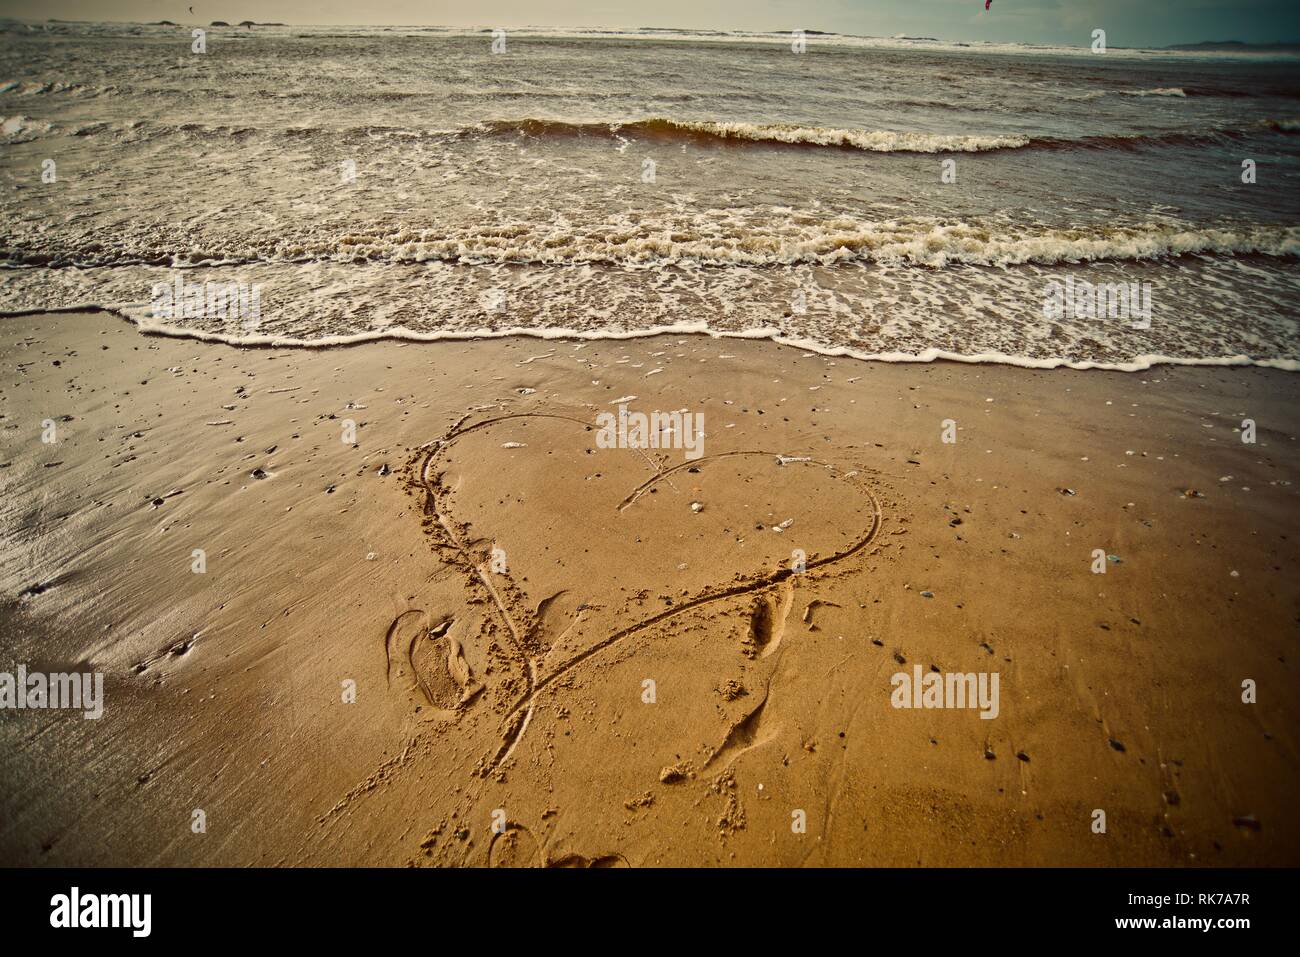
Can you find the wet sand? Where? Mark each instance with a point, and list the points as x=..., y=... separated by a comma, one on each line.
x=639, y=675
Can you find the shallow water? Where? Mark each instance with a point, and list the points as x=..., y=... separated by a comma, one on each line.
x=798, y=196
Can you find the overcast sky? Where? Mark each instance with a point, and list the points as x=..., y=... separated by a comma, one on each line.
x=1127, y=22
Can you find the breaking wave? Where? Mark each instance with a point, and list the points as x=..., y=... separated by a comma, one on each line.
x=691, y=131
x=712, y=238
x=877, y=141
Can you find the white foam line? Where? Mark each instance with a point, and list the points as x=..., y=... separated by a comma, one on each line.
x=399, y=333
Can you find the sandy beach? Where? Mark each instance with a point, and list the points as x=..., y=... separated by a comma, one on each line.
x=391, y=604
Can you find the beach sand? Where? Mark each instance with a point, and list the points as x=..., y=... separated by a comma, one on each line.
x=648, y=683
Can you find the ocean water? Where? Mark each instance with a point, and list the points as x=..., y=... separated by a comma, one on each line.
x=409, y=182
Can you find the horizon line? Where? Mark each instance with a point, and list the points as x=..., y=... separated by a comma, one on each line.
x=682, y=30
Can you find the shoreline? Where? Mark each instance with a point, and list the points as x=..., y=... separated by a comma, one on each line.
x=1143, y=363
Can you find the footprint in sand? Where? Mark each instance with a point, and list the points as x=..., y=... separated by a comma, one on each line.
x=427, y=662
x=514, y=847
x=767, y=617
x=577, y=860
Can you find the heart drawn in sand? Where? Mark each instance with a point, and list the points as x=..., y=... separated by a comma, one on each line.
x=576, y=549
